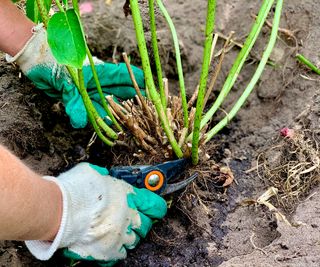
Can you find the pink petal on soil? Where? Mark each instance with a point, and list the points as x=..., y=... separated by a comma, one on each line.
x=287, y=132
x=85, y=7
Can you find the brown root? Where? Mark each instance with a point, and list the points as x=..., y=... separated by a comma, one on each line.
x=292, y=165
x=144, y=127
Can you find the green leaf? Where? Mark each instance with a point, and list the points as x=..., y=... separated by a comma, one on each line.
x=66, y=39
x=32, y=9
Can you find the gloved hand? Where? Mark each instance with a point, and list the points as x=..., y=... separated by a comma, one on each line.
x=38, y=64
x=102, y=216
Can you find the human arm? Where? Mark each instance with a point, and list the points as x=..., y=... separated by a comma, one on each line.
x=15, y=28
x=25, y=201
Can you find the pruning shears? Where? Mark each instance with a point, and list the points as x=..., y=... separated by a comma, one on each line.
x=155, y=177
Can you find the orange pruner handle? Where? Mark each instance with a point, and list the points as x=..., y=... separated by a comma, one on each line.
x=154, y=180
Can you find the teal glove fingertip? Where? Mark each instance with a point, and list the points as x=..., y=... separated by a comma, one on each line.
x=75, y=108
x=149, y=203
x=145, y=227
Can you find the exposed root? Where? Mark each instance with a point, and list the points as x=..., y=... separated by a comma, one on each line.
x=255, y=246
x=288, y=33
x=158, y=239
x=197, y=199
x=144, y=128
x=292, y=165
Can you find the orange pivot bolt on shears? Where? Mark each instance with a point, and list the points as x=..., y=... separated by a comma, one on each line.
x=155, y=177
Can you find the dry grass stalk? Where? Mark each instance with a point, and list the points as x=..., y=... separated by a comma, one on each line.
x=193, y=97
x=191, y=118
x=183, y=135
x=217, y=69
x=166, y=88
x=135, y=86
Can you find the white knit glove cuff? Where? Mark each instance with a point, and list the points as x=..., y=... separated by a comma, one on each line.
x=44, y=250
x=24, y=57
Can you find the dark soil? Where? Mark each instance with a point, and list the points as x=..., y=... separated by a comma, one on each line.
x=206, y=226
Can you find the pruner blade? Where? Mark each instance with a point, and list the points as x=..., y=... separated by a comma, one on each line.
x=170, y=188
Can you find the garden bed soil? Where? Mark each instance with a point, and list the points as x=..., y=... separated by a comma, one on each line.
x=206, y=225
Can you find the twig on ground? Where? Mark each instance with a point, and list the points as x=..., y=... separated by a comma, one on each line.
x=221, y=35
x=191, y=118
x=91, y=141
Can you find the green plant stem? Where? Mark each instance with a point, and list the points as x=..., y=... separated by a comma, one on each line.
x=256, y=76
x=179, y=64
x=203, y=78
x=99, y=89
x=241, y=58
x=149, y=79
x=76, y=6
x=308, y=63
x=43, y=12
x=59, y=5
x=155, y=49
x=74, y=75
x=91, y=110
x=99, y=120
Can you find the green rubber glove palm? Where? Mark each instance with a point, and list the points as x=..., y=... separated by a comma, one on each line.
x=38, y=64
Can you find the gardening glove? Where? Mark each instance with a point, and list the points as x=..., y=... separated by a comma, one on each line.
x=38, y=64
x=102, y=216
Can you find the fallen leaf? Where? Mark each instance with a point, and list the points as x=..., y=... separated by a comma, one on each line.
x=229, y=174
